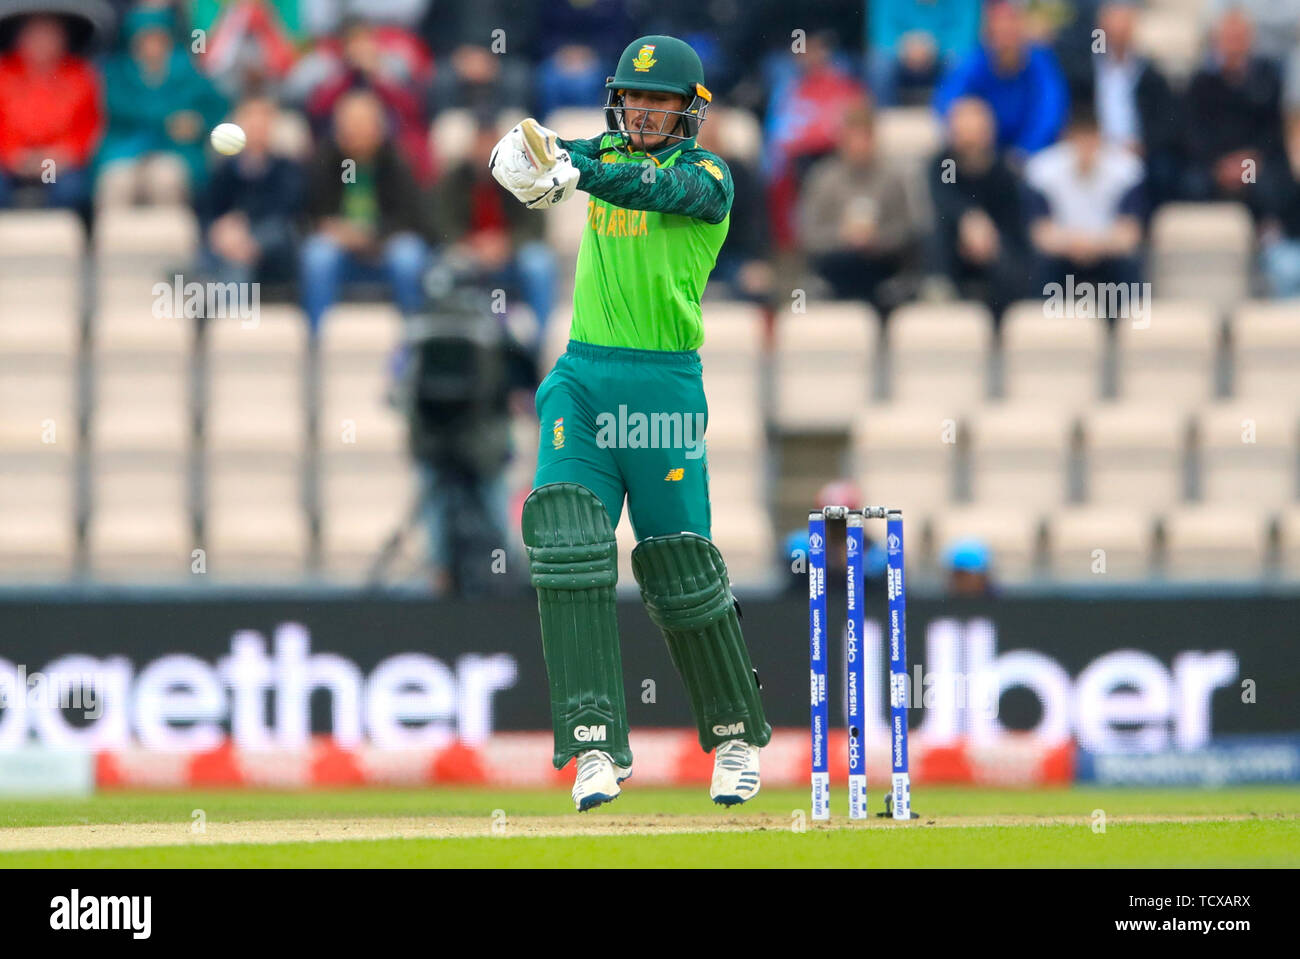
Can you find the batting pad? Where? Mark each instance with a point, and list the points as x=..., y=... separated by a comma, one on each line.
x=685, y=588
x=573, y=564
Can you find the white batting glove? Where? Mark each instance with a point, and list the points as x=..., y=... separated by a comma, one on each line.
x=554, y=186
x=509, y=164
x=529, y=162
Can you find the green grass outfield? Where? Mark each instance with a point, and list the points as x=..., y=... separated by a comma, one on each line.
x=660, y=827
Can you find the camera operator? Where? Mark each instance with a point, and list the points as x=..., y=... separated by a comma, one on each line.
x=460, y=369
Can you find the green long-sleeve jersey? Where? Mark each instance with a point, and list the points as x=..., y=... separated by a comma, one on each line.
x=654, y=228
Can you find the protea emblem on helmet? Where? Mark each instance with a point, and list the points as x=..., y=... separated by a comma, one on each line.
x=645, y=58
x=677, y=69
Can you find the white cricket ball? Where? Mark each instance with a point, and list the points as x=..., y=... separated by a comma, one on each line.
x=228, y=139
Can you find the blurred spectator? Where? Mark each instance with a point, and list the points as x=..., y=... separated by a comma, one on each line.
x=180, y=20
x=329, y=16
x=855, y=218
x=485, y=51
x=805, y=114
x=252, y=206
x=760, y=36
x=979, y=243
x=502, y=239
x=1280, y=248
x=1235, y=142
x=472, y=77
x=51, y=116
x=794, y=557
x=363, y=209
x=1136, y=108
x=1086, y=208
x=743, y=262
x=510, y=26
x=1277, y=38
x=969, y=567
x=1020, y=80
x=579, y=42
x=160, y=110
x=249, y=42
x=1067, y=27
x=712, y=30
x=913, y=41
x=394, y=65
x=1277, y=23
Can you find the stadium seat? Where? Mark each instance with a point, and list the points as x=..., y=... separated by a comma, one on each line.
x=1265, y=341
x=1247, y=453
x=733, y=332
x=905, y=456
x=939, y=354
x=1170, y=34
x=1011, y=534
x=1134, y=454
x=1019, y=455
x=1100, y=544
x=255, y=525
x=1202, y=251
x=254, y=397
x=123, y=330
x=1051, y=361
x=743, y=534
x=451, y=135
x=823, y=359
x=41, y=257
x=37, y=516
x=38, y=397
x=141, y=405
x=291, y=136
x=740, y=133
x=139, y=526
x=358, y=345
x=577, y=123
x=909, y=135
x=1170, y=357
x=732, y=358
x=1215, y=541
x=365, y=497
x=138, y=247
x=36, y=319
x=908, y=138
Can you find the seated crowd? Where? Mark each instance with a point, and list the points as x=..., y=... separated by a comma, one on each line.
x=1060, y=138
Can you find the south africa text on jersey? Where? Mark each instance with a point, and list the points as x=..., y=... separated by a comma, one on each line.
x=615, y=221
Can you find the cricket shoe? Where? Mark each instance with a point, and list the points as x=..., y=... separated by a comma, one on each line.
x=735, y=772
x=597, y=780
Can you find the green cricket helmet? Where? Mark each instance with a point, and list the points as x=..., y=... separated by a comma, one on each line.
x=666, y=65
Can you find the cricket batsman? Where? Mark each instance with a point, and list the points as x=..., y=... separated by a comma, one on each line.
x=658, y=212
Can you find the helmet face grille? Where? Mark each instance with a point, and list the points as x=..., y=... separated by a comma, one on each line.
x=676, y=125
